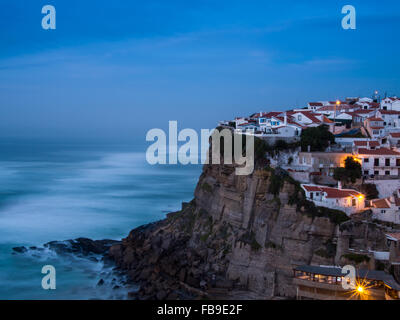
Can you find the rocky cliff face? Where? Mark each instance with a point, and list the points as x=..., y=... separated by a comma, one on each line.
x=240, y=237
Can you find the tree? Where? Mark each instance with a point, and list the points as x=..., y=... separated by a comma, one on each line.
x=350, y=173
x=318, y=138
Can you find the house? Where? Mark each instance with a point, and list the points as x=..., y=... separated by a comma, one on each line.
x=367, y=105
x=386, y=209
x=287, y=130
x=391, y=103
x=313, y=106
x=322, y=162
x=375, y=127
x=359, y=116
x=391, y=119
x=348, y=200
x=344, y=118
x=365, y=144
x=394, y=139
x=326, y=283
x=383, y=162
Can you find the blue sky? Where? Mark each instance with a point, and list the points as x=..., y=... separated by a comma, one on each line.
x=114, y=69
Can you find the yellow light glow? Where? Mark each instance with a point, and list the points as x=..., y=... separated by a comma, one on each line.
x=357, y=160
x=360, y=289
x=361, y=197
x=337, y=102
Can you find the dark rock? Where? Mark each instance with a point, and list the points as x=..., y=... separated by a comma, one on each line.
x=20, y=249
x=100, y=283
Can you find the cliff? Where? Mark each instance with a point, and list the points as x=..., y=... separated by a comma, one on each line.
x=240, y=237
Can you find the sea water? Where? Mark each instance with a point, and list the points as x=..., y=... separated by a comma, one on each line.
x=65, y=191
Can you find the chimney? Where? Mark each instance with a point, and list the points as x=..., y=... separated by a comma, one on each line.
x=339, y=185
x=285, y=119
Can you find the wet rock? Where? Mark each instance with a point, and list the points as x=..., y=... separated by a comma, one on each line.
x=100, y=283
x=20, y=249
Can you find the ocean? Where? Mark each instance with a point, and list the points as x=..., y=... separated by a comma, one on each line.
x=65, y=191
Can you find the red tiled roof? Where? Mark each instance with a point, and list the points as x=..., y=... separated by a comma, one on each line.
x=312, y=188
x=389, y=111
x=381, y=203
x=380, y=151
x=372, y=143
x=363, y=111
x=266, y=114
x=375, y=119
x=333, y=192
x=395, y=134
x=309, y=114
x=315, y=104
x=340, y=193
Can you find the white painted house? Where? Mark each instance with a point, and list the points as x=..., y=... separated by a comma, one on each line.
x=390, y=103
x=379, y=161
x=348, y=200
x=386, y=209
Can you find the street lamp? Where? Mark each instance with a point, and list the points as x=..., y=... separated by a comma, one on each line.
x=334, y=115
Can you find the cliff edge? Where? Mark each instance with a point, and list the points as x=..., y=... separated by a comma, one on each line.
x=239, y=238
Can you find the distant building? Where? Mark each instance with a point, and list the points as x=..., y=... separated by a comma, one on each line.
x=391, y=103
x=382, y=162
x=386, y=209
x=326, y=283
x=375, y=127
x=323, y=162
x=348, y=200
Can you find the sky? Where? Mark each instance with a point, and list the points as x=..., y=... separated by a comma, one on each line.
x=112, y=70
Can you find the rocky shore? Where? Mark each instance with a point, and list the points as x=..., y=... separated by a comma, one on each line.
x=239, y=238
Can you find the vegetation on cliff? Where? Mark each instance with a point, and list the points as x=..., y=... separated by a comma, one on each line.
x=317, y=138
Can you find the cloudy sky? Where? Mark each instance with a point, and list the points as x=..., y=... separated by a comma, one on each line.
x=114, y=69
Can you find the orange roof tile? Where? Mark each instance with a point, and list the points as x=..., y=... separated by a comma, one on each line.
x=381, y=203
x=380, y=151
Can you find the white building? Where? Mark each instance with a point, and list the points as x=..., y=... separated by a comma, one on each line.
x=387, y=209
x=391, y=119
x=394, y=139
x=375, y=127
x=348, y=200
x=392, y=103
x=379, y=162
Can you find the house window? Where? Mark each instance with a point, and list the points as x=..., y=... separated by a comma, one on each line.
x=353, y=202
x=365, y=172
x=299, y=117
x=387, y=172
x=383, y=211
x=376, y=172
x=387, y=162
x=376, y=162
x=366, y=160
